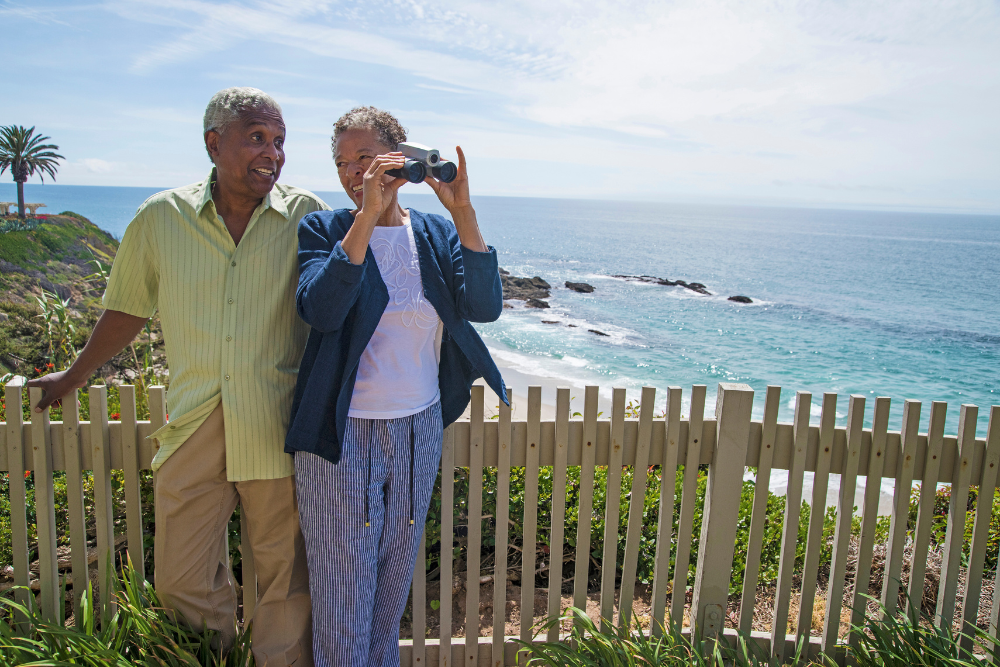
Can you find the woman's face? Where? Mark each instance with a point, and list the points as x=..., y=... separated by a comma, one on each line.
x=353, y=153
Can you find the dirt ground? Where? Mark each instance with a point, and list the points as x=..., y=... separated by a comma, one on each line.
x=641, y=606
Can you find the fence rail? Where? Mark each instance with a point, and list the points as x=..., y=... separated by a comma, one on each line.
x=726, y=442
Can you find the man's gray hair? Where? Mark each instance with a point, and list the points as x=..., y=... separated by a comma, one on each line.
x=229, y=104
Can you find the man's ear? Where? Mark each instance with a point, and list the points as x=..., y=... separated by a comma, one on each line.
x=212, y=143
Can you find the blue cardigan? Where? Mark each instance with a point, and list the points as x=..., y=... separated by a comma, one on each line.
x=343, y=303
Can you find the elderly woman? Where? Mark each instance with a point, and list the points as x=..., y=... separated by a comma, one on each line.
x=390, y=361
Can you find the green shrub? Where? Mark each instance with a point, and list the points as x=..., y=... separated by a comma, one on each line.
x=138, y=633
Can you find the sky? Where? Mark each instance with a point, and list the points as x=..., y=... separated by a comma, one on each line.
x=859, y=104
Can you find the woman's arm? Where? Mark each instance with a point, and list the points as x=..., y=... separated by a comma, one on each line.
x=329, y=282
x=477, y=290
x=455, y=197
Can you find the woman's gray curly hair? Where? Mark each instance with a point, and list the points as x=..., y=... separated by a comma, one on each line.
x=384, y=124
x=227, y=105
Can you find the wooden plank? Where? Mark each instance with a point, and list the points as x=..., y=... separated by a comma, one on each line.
x=530, y=511
x=925, y=508
x=474, y=529
x=504, y=447
x=14, y=402
x=685, y=522
x=790, y=530
x=609, y=562
x=100, y=445
x=558, y=520
x=842, y=532
x=45, y=510
x=447, y=541
x=130, y=467
x=869, y=515
x=900, y=507
x=981, y=529
x=717, y=544
x=944, y=615
x=817, y=512
x=758, y=513
x=75, y=508
x=665, y=522
x=640, y=467
x=586, y=513
x=419, y=604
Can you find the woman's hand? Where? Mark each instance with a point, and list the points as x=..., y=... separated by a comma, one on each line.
x=378, y=190
x=455, y=195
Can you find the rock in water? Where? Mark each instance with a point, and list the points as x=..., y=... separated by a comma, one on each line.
x=524, y=288
x=536, y=303
x=599, y=333
x=580, y=287
x=741, y=299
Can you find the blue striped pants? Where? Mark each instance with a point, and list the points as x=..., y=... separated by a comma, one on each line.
x=362, y=519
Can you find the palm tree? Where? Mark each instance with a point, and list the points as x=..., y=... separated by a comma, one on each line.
x=24, y=153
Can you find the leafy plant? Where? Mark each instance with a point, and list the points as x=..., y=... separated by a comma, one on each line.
x=588, y=645
x=139, y=632
x=60, y=329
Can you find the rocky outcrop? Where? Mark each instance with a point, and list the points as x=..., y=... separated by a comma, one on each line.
x=536, y=303
x=523, y=289
x=583, y=288
x=599, y=333
x=694, y=287
x=741, y=299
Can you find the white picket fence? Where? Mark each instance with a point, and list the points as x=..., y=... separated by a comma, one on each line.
x=726, y=443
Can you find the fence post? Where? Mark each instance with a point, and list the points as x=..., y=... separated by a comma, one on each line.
x=45, y=510
x=722, y=505
x=18, y=494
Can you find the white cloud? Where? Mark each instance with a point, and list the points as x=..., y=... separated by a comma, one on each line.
x=854, y=101
x=97, y=166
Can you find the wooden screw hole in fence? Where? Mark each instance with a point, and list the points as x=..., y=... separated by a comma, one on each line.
x=726, y=444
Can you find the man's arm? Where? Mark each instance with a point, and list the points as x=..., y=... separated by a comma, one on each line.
x=113, y=332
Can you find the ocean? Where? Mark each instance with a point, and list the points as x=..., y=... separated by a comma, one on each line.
x=892, y=304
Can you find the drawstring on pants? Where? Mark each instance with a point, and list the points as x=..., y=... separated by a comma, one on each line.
x=368, y=485
x=413, y=448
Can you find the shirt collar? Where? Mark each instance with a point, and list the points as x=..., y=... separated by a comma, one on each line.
x=273, y=199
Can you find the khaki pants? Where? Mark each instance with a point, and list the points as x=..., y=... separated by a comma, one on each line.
x=194, y=502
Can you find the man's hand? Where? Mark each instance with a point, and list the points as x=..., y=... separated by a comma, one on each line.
x=56, y=386
x=112, y=333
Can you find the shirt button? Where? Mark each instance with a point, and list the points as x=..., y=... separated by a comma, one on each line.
x=230, y=301
x=234, y=263
x=227, y=377
x=228, y=338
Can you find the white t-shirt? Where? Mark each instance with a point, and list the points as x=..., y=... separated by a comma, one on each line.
x=398, y=371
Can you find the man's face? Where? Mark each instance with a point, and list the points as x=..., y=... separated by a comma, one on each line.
x=249, y=155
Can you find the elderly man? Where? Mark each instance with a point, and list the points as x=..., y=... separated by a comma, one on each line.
x=217, y=259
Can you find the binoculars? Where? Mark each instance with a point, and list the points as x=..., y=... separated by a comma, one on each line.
x=419, y=160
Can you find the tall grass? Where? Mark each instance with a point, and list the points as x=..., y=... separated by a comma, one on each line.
x=885, y=641
x=138, y=632
x=628, y=646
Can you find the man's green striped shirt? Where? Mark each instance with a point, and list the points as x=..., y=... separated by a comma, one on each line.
x=228, y=316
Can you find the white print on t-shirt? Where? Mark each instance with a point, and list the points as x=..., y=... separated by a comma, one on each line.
x=400, y=269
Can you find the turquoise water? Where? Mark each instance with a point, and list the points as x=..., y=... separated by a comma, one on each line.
x=876, y=303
